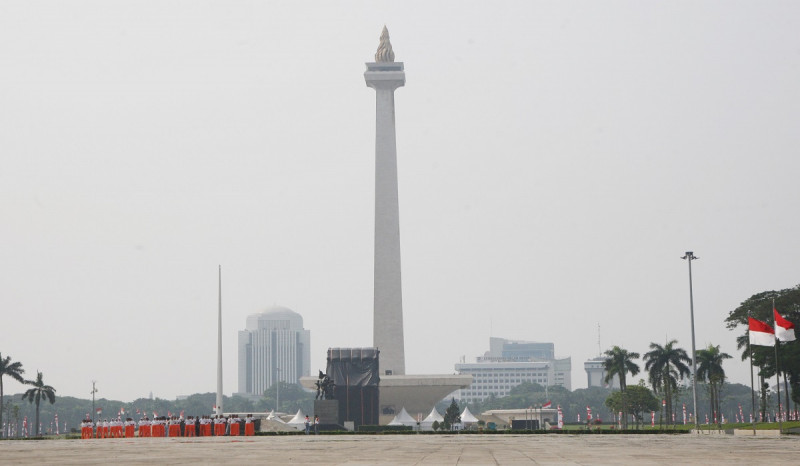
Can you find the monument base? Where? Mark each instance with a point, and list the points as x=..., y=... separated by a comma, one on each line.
x=327, y=410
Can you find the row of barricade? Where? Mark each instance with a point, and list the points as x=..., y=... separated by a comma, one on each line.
x=205, y=427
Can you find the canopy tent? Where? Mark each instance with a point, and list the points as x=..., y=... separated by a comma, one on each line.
x=274, y=417
x=298, y=421
x=434, y=416
x=403, y=419
x=467, y=417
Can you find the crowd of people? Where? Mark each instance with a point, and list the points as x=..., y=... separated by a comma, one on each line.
x=172, y=426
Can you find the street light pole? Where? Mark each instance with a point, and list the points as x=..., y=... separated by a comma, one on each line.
x=690, y=257
x=94, y=390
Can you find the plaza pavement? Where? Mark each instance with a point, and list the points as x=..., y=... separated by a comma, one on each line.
x=411, y=449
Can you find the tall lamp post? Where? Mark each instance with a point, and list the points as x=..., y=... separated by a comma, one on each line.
x=94, y=390
x=690, y=257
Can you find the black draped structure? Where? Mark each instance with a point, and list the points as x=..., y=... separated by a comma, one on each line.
x=355, y=373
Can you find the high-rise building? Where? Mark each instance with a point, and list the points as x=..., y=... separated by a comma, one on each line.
x=509, y=363
x=273, y=347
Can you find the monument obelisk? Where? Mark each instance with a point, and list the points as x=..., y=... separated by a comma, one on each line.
x=385, y=75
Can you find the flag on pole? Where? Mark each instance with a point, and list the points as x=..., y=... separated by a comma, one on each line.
x=784, y=330
x=588, y=414
x=652, y=418
x=99, y=411
x=25, y=427
x=760, y=334
x=547, y=405
x=560, y=418
x=684, y=414
x=56, y=421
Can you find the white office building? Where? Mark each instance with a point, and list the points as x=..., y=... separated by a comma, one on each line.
x=274, y=346
x=509, y=363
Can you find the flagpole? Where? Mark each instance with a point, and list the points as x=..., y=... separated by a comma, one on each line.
x=752, y=385
x=777, y=372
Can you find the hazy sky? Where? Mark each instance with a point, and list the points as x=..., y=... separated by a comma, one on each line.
x=556, y=159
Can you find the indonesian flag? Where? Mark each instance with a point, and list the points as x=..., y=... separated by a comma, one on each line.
x=56, y=421
x=547, y=405
x=99, y=410
x=784, y=330
x=155, y=414
x=741, y=414
x=760, y=333
x=652, y=418
x=25, y=427
x=588, y=413
x=122, y=410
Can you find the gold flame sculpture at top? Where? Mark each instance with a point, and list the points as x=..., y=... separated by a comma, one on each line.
x=384, y=53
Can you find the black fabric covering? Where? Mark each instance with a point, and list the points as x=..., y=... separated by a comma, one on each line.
x=355, y=373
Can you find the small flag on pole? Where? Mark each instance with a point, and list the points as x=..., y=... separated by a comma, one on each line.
x=760, y=334
x=547, y=405
x=784, y=330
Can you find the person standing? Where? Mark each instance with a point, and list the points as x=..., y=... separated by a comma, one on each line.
x=130, y=427
x=188, y=428
x=86, y=428
x=316, y=425
x=308, y=425
x=233, y=425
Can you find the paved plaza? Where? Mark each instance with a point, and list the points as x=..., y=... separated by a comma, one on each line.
x=412, y=449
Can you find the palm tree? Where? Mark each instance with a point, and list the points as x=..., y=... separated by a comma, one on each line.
x=618, y=363
x=39, y=391
x=13, y=370
x=665, y=365
x=709, y=368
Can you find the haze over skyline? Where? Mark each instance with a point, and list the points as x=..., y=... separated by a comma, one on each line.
x=555, y=161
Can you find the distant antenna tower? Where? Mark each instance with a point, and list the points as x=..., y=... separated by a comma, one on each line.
x=599, y=346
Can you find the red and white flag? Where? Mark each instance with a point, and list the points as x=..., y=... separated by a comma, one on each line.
x=588, y=413
x=56, y=421
x=652, y=418
x=784, y=330
x=547, y=405
x=760, y=334
x=25, y=427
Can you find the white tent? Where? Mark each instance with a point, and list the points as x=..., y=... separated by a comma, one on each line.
x=403, y=419
x=467, y=417
x=427, y=423
x=298, y=421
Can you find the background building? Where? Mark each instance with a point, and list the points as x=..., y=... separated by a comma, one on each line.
x=596, y=374
x=509, y=363
x=274, y=346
